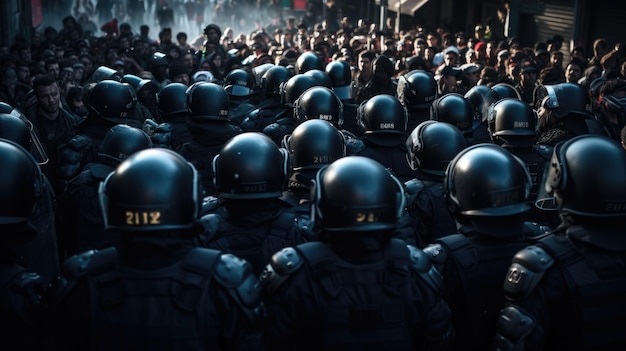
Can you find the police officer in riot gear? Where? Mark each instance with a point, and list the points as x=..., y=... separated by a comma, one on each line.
x=241, y=88
x=155, y=289
x=109, y=103
x=357, y=288
x=41, y=253
x=172, y=107
x=416, y=91
x=512, y=125
x=455, y=109
x=271, y=106
x=312, y=145
x=208, y=106
x=307, y=61
x=383, y=121
x=566, y=291
x=486, y=189
x=250, y=174
x=22, y=288
x=79, y=214
x=563, y=111
x=430, y=148
x=290, y=91
x=481, y=97
x=340, y=74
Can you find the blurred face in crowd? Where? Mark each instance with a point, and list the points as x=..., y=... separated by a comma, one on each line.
x=365, y=64
x=48, y=98
x=573, y=73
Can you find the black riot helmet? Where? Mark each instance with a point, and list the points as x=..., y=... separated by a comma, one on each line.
x=291, y=90
x=14, y=129
x=340, y=75
x=505, y=90
x=481, y=97
x=274, y=78
x=564, y=99
x=239, y=82
x=383, y=120
x=417, y=89
x=432, y=145
x=587, y=175
x=153, y=190
x=356, y=194
x=455, y=109
x=250, y=166
x=21, y=182
x=122, y=141
x=319, y=103
x=313, y=144
x=321, y=77
x=139, y=84
x=158, y=59
x=103, y=73
x=485, y=180
x=207, y=101
x=259, y=71
x=111, y=101
x=308, y=61
x=512, y=123
x=172, y=101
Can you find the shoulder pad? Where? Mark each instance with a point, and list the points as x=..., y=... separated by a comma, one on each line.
x=210, y=224
x=237, y=276
x=272, y=128
x=535, y=231
x=76, y=266
x=421, y=263
x=413, y=186
x=282, y=265
x=79, y=142
x=99, y=171
x=354, y=146
x=249, y=121
x=436, y=253
x=210, y=203
x=545, y=151
x=527, y=269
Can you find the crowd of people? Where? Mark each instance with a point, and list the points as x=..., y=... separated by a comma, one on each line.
x=316, y=184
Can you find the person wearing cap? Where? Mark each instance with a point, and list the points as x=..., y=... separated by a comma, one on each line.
x=447, y=80
x=527, y=80
x=470, y=75
x=542, y=58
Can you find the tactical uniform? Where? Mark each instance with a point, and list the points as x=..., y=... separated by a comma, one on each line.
x=416, y=91
x=271, y=108
x=208, y=123
x=79, y=214
x=566, y=291
x=383, y=122
x=21, y=290
x=474, y=261
x=250, y=174
x=357, y=288
x=430, y=147
x=154, y=290
x=173, y=110
x=109, y=103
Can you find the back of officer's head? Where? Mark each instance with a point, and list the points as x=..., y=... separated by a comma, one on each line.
x=21, y=182
x=586, y=176
x=153, y=191
x=486, y=189
x=356, y=202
